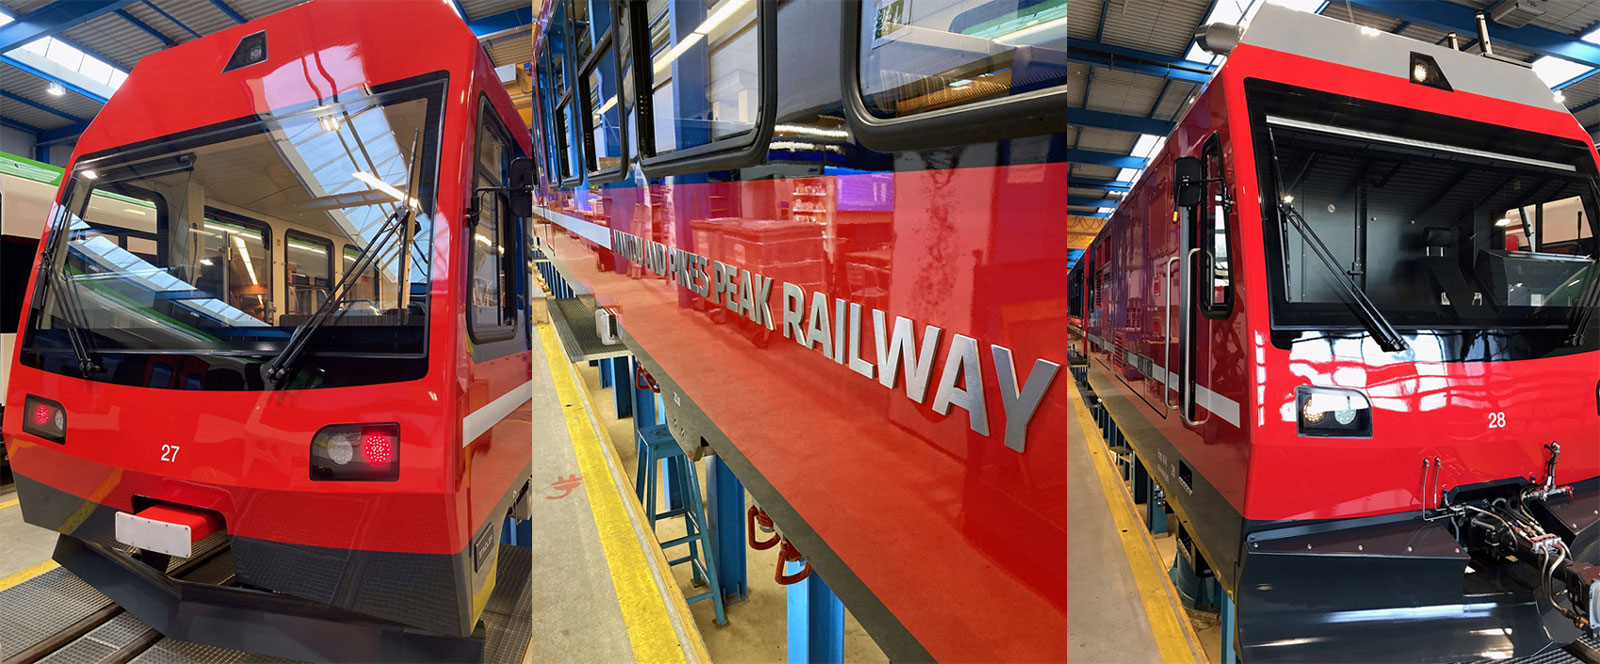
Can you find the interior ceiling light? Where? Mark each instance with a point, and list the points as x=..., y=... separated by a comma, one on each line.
x=56, y=89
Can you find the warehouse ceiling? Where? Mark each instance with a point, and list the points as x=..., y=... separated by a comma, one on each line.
x=1134, y=66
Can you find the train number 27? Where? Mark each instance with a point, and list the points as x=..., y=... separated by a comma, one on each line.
x=169, y=453
x=1497, y=420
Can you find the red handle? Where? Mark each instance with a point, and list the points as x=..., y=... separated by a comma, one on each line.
x=752, y=516
x=644, y=381
x=786, y=554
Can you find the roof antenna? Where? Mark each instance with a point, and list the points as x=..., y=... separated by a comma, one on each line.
x=1455, y=42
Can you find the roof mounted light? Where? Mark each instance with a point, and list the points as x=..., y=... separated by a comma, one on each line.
x=1219, y=38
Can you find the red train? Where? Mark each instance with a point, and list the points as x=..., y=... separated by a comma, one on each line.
x=827, y=231
x=282, y=295
x=1347, y=319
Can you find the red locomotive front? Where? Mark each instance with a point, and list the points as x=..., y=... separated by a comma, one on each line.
x=249, y=309
x=1347, y=319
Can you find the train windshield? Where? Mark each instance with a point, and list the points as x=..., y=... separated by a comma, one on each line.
x=1439, y=221
x=224, y=240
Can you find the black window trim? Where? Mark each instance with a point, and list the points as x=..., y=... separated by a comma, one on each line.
x=489, y=121
x=745, y=148
x=1204, y=211
x=1034, y=113
x=606, y=44
x=262, y=227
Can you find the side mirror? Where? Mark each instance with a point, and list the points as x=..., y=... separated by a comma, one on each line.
x=1188, y=182
x=521, y=189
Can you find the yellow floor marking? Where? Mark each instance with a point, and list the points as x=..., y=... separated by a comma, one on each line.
x=1169, y=625
x=650, y=629
x=681, y=604
x=9, y=503
x=26, y=574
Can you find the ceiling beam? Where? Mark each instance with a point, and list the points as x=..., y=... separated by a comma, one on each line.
x=1092, y=158
x=224, y=8
x=1462, y=19
x=171, y=19
x=20, y=126
x=1098, y=183
x=506, y=21
x=41, y=107
x=147, y=28
x=1585, y=106
x=1093, y=53
x=65, y=134
x=1103, y=120
x=1089, y=201
x=51, y=78
x=53, y=18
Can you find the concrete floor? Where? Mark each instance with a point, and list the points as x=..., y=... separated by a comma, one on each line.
x=21, y=546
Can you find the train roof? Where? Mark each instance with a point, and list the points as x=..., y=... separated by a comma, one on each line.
x=314, y=51
x=1331, y=40
x=28, y=169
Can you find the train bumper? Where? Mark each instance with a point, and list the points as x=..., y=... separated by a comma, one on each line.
x=1397, y=589
x=434, y=592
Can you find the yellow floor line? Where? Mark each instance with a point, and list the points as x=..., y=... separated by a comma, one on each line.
x=26, y=574
x=1169, y=625
x=632, y=501
x=10, y=503
x=650, y=630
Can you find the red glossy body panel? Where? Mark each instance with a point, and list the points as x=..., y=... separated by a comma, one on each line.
x=245, y=455
x=1422, y=408
x=959, y=536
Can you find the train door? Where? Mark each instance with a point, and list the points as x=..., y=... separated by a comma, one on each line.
x=1206, y=291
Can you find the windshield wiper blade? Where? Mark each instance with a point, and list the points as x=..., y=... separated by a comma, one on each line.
x=279, y=369
x=69, y=304
x=1382, y=331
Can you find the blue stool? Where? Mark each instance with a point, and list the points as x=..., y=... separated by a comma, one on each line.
x=655, y=446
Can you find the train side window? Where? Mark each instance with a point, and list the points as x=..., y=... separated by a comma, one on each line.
x=491, y=292
x=929, y=74
x=569, y=142
x=604, y=135
x=1216, y=300
x=365, y=288
x=709, y=82
x=307, y=272
x=235, y=262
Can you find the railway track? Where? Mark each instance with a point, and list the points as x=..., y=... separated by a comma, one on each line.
x=56, y=618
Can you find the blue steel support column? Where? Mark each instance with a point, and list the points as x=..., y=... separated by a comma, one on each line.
x=816, y=621
x=622, y=390
x=1228, y=618
x=725, y=507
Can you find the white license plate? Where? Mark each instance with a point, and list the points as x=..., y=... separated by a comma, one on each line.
x=152, y=535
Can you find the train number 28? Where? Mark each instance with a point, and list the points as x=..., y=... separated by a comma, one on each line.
x=1497, y=420
x=169, y=453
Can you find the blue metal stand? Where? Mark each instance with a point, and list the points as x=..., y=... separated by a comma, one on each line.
x=725, y=494
x=517, y=533
x=816, y=621
x=618, y=371
x=658, y=445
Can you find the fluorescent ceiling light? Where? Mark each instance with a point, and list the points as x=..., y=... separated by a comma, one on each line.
x=248, y=265
x=56, y=89
x=1009, y=37
x=712, y=22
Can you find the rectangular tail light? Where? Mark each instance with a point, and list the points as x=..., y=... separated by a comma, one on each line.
x=44, y=418
x=367, y=452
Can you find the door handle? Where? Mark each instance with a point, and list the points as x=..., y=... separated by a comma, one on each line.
x=1166, y=328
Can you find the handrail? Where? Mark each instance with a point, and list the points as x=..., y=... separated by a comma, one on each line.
x=1166, y=327
x=1188, y=357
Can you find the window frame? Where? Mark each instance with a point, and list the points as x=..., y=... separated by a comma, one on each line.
x=307, y=238
x=607, y=43
x=1037, y=113
x=1204, y=213
x=738, y=150
x=489, y=121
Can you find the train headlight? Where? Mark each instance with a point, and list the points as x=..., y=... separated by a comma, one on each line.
x=1332, y=412
x=356, y=453
x=44, y=418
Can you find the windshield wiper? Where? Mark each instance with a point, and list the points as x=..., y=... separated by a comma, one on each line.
x=1382, y=331
x=279, y=369
x=69, y=304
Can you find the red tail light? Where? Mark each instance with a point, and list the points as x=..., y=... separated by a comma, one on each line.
x=356, y=453
x=46, y=419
